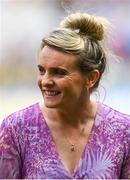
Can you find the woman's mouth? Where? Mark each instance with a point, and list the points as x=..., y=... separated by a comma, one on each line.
x=51, y=93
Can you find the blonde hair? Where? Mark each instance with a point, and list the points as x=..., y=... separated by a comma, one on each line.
x=83, y=35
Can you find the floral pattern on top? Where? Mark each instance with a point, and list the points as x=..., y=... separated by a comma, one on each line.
x=27, y=149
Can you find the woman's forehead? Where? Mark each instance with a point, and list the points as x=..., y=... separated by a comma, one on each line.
x=49, y=56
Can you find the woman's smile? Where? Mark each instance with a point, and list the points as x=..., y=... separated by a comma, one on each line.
x=59, y=79
x=51, y=93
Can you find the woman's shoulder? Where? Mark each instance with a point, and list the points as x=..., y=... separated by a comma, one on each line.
x=22, y=116
x=114, y=116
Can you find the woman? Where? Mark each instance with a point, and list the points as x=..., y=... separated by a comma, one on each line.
x=68, y=136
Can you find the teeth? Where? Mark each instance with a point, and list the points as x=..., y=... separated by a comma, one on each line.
x=51, y=93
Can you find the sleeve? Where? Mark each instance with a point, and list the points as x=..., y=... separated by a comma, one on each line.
x=10, y=161
x=126, y=165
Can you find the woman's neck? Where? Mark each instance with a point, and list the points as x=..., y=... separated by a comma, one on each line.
x=71, y=117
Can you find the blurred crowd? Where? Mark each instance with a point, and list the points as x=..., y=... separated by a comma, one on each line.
x=25, y=22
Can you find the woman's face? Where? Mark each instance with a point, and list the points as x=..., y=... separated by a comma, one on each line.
x=61, y=83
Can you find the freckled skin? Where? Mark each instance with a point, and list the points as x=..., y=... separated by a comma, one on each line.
x=71, y=85
x=67, y=112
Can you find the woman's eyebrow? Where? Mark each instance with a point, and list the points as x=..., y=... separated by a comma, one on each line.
x=39, y=66
x=54, y=68
x=59, y=68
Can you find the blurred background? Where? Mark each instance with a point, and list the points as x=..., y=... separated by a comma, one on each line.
x=23, y=23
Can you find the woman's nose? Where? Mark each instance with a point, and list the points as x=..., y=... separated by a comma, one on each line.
x=47, y=81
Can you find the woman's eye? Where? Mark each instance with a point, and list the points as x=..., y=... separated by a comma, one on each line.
x=41, y=70
x=60, y=72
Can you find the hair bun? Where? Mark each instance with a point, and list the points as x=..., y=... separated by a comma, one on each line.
x=86, y=25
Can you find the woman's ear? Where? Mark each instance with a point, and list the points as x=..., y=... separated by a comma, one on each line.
x=92, y=78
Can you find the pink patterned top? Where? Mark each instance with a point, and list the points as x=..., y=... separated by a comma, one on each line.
x=27, y=149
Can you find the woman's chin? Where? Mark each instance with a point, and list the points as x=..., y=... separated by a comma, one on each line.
x=50, y=104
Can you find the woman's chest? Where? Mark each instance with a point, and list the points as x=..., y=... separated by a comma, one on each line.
x=42, y=160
